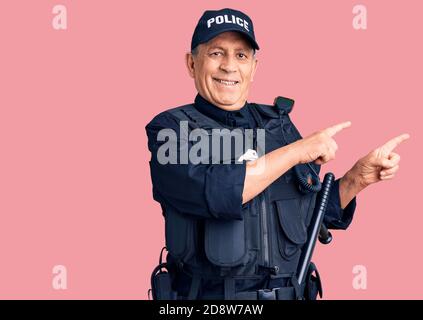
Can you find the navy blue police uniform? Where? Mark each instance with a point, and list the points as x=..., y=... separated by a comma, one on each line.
x=219, y=248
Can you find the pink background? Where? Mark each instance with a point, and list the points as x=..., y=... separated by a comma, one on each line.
x=75, y=188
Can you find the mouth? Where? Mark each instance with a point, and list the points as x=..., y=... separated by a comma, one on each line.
x=226, y=82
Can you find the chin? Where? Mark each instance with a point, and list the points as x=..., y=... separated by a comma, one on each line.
x=228, y=100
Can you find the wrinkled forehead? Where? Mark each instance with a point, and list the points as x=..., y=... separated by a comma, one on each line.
x=230, y=40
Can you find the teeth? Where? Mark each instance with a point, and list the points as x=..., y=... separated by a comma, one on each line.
x=228, y=83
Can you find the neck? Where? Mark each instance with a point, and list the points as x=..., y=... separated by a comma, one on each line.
x=234, y=107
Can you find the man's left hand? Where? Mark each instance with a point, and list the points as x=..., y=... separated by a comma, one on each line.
x=380, y=164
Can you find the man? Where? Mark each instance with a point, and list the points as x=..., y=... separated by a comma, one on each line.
x=236, y=226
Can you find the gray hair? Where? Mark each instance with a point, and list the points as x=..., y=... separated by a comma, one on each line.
x=194, y=51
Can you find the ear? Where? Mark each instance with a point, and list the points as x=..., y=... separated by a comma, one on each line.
x=254, y=69
x=189, y=60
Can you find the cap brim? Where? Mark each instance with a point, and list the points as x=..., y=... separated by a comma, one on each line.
x=233, y=28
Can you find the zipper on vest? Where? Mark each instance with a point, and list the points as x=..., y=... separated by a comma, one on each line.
x=264, y=216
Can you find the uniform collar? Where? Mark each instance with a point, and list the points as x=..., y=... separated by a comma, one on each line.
x=236, y=118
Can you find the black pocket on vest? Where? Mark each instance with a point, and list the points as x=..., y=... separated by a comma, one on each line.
x=225, y=242
x=293, y=233
x=179, y=235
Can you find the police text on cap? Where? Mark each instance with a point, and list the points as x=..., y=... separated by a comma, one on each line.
x=225, y=19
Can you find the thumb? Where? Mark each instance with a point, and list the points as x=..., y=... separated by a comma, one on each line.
x=384, y=162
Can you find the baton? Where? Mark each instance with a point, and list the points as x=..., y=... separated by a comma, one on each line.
x=316, y=223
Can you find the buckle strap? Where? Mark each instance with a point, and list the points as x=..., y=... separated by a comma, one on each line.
x=161, y=255
x=282, y=293
x=297, y=288
x=286, y=293
x=266, y=294
x=195, y=287
x=229, y=286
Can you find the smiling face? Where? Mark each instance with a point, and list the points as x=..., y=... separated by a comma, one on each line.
x=223, y=70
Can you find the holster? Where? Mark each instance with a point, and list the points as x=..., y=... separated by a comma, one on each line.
x=161, y=285
x=313, y=285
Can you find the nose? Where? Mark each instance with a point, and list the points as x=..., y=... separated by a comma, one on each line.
x=228, y=64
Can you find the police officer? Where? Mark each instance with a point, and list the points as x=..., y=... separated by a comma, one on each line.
x=235, y=226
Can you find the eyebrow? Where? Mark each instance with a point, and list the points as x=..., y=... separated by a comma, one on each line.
x=219, y=47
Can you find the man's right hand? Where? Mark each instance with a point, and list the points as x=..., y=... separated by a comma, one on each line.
x=320, y=146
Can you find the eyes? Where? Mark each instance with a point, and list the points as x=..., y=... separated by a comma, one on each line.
x=240, y=55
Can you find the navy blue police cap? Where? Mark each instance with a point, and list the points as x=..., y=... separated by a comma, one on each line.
x=215, y=22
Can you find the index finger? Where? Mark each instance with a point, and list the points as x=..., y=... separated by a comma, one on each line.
x=393, y=143
x=331, y=131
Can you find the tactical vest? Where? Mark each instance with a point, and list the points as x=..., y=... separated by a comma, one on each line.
x=269, y=239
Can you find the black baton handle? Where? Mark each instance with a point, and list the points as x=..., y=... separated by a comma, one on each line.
x=325, y=236
x=316, y=222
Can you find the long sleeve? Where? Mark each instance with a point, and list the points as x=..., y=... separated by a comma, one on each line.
x=203, y=190
x=336, y=217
